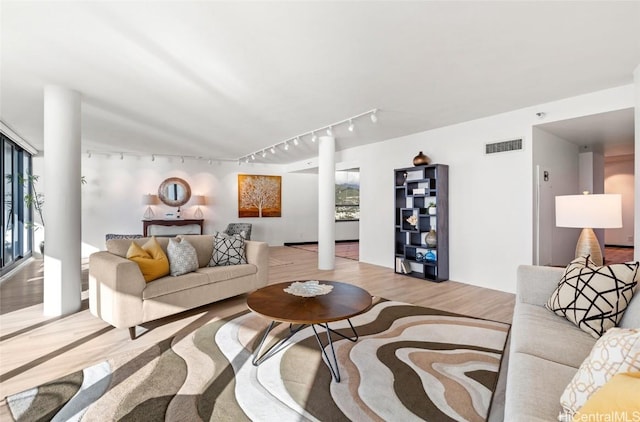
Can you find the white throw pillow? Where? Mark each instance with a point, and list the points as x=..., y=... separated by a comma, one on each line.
x=618, y=350
x=228, y=250
x=183, y=257
x=594, y=298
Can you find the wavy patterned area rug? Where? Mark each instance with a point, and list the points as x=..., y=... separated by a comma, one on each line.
x=410, y=363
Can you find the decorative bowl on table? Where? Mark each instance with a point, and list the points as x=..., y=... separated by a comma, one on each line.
x=308, y=288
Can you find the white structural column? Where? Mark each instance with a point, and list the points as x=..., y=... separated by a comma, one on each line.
x=326, y=203
x=62, y=162
x=636, y=234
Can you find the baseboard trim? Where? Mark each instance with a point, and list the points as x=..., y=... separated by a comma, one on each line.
x=315, y=243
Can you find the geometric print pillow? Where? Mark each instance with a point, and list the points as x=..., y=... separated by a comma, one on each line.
x=617, y=351
x=183, y=257
x=594, y=298
x=228, y=250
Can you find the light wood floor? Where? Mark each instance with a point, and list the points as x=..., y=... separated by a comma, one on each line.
x=35, y=349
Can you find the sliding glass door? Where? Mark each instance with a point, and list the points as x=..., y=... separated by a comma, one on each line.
x=16, y=217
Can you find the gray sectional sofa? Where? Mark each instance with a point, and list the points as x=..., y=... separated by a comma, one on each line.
x=119, y=295
x=546, y=350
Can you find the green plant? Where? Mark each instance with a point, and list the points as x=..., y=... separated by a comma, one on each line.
x=33, y=198
x=432, y=204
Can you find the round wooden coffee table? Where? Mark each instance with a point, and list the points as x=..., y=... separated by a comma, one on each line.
x=343, y=302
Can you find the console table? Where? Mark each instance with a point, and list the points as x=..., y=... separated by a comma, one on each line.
x=173, y=222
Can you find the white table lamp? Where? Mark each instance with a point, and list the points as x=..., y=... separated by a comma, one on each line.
x=149, y=200
x=589, y=212
x=198, y=200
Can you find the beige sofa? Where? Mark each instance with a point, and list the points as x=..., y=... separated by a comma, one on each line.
x=546, y=350
x=119, y=295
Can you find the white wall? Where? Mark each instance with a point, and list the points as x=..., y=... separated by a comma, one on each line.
x=560, y=159
x=619, y=178
x=114, y=189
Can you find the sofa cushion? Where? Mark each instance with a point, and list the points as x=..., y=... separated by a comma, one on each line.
x=631, y=317
x=150, y=258
x=228, y=250
x=204, y=247
x=618, y=350
x=616, y=400
x=533, y=387
x=539, y=332
x=182, y=255
x=228, y=272
x=167, y=285
x=121, y=246
x=594, y=298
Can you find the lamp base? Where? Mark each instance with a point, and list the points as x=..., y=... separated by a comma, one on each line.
x=198, y=214
x=588, y=245
x=148, y=214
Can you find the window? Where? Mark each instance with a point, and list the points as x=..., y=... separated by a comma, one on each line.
x=348, y=195
x=16, y=217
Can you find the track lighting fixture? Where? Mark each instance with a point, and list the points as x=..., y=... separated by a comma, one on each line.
x=153, y=157
x=253, y=156
x=182, y=160
x=122, y=156
x=88, y=154
x=314, y=137
x=210, y=161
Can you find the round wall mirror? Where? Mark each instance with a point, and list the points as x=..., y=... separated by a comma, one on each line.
x=174, y=192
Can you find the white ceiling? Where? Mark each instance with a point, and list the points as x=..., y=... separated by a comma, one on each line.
x=224, y=79
x=611, y=133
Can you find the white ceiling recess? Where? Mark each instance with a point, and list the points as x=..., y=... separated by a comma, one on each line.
x=225, y=79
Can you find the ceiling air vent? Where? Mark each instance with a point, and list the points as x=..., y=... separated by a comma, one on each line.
x=504, y=146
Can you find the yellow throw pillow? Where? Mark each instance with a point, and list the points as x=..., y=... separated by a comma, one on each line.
x=150, y=258
x=617, y=400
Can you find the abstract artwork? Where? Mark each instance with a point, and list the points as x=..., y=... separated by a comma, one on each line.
x=259, y=196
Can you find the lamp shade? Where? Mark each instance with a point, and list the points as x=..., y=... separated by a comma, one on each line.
x=589, y=211
x=149, y=199
x=197, y=200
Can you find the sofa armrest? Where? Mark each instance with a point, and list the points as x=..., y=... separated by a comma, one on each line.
x=115, y=289
x=536, y=284
x=258, y=254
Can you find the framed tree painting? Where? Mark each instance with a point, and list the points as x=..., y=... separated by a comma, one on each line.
x=259, y=196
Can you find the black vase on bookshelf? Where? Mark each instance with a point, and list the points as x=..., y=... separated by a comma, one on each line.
x=417, y=253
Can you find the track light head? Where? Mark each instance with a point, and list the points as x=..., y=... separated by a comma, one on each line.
x=153, y=157
x=314, y=137
x=122, y=156
x=264, y=154
x=247, y=160
x=296, y=141
x=182, y=160
x=286, y=145
x=253, y=156
x=210, y=161
x=374, y=117
x=329, y=131
x=351, y=126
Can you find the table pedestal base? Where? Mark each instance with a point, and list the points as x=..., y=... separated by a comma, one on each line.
x=332, y=362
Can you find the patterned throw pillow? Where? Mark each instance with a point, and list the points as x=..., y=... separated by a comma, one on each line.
x=618, y=350
x=183, y=257
x=594, y=298
x=227, y=250
x=150, y=258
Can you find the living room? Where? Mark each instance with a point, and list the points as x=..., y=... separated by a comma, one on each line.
x=185, y=115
